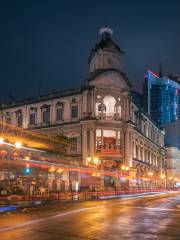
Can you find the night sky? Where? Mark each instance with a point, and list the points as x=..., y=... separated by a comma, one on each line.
x=46, y=44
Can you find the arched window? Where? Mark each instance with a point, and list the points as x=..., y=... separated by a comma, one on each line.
x=109, y=102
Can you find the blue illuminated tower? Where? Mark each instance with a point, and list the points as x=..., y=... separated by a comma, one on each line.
x=161, y=98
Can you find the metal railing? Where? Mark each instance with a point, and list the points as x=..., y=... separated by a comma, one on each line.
x=74, y=196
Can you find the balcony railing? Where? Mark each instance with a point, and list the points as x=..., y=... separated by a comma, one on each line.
x=111, y=149
x=104, y=116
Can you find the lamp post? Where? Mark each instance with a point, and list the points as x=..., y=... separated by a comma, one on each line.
x=88, y=159
x=125, y=168
x=96, y=161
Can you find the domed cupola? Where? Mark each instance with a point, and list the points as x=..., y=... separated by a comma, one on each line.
x=106, y=54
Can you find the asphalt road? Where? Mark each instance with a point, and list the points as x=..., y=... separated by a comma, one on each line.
x=155, y=217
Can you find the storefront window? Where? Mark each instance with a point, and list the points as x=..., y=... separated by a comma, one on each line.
x=108, y=141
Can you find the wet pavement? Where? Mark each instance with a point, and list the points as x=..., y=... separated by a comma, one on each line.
x=154, y=217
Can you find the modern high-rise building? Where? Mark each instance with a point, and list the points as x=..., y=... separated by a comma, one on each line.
x=161, y=98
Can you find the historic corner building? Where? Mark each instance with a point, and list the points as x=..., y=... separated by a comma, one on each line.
x=100, y=119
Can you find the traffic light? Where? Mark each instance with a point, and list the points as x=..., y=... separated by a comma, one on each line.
x=27, y=169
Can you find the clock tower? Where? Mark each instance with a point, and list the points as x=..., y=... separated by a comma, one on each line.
x=106, y=54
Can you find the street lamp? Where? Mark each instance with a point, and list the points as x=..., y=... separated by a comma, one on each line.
x=1, y=140
x=124, y=168
x=18, y=144
x=52, y=169
x=150, y=174
x=96, y=160
x=89, y=159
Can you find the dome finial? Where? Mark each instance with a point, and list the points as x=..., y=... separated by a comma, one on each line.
x=105, y=31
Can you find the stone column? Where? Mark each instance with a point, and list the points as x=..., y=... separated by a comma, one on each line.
x=84, y=147
x=128, y=108
x=142, y=153
x=116, y=138
x=145, y=155
x=39, y=116
x=53, y=112
x=92, y=104
x=26, y=117
x=92, y=141
x=85, y=110
x=128, y=148
x=102, y=143
x=67, y=111
x=122, y=142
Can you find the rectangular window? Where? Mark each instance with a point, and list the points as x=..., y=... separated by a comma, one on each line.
x=74, y=111
x=59, y=114
x=19, y=120
x=32, y=118
x=46, y=116
x=73, y=142
x=8, y=119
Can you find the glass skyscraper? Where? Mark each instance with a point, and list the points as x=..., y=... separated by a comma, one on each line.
x=161, y=98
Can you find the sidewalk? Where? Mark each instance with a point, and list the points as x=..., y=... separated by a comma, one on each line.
x=11, y=203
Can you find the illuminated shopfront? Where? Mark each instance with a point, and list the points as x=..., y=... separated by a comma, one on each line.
x=108, y=142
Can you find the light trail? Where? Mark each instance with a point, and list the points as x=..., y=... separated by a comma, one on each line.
x=60, y=215
x=47, y=218
x=27, y=148
x=36, y=221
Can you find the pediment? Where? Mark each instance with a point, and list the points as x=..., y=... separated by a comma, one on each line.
x=110, y=79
